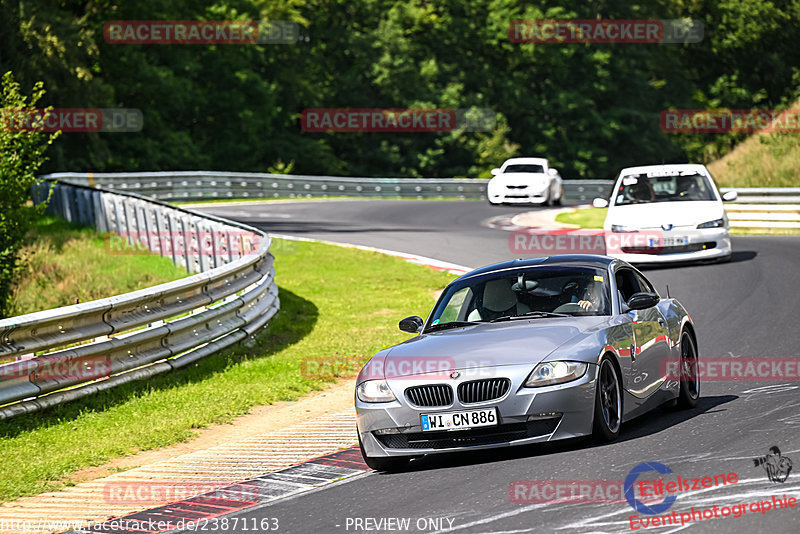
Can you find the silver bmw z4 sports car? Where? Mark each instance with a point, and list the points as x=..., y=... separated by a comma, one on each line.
x=527, y=351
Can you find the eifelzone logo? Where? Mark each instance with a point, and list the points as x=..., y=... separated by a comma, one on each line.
x=668, y=490
x=636, y=504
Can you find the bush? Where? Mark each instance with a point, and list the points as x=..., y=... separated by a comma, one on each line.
x=21, y=155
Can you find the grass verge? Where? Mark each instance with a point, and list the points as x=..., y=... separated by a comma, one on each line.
x=337, y=304
x=761, y=160
x=63, y=263
x=584, y=217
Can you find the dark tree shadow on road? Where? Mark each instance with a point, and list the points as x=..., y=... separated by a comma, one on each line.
x=736, y=257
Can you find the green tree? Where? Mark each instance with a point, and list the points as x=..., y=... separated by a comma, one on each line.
x=21, y=154
x=590, y=108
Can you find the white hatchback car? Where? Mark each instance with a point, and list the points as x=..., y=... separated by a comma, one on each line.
x=525, y=181
x=666, y=213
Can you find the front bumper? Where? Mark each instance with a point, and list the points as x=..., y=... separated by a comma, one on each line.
x=705, y=244
x=526, y=415
x=518, y=196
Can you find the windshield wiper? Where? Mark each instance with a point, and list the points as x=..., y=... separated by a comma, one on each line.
x=450, y=324
x=530, y=315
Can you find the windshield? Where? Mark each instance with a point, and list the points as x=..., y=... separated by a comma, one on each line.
x=643, y=189
x=525, y=168
x=521, y=293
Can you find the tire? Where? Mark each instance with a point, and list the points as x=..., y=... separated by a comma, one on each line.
x=607, y=402
x=689, y=383
x=387, y=463
x=557, y=202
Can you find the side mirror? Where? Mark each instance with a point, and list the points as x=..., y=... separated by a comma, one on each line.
x=600, y=203
x=552, y=172
x=730, y=196
x=641, y=301
x=412, y=324
x=495, y=171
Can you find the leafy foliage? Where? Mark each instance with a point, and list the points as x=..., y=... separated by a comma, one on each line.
x=21, y=154
x=590, y=108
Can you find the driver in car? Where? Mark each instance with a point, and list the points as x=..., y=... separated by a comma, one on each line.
x=642, y=191
x=591, y=297
x=584, y=293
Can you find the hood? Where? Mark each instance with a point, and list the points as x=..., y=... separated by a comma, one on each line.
x=655, y=214
x=523, y=178
x=483, y=345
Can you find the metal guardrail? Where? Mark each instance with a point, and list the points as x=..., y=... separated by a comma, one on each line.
x=765, y=195
x=210, y=185
x=53, y=356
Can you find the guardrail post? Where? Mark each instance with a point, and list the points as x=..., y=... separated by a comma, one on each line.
x=203, y=234
x=99, y=214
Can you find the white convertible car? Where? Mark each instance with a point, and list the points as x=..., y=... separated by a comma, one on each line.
x=666, y=213
x=525, y=181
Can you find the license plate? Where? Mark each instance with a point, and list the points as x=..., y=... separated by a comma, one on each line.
x=458, y=420
x=668, y=241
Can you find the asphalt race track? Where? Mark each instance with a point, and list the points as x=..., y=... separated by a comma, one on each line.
x=746, y=308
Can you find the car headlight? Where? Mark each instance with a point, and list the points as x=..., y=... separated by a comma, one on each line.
x=550, y=373
x=717, y=223
x=618, y=228
x=374, y=391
